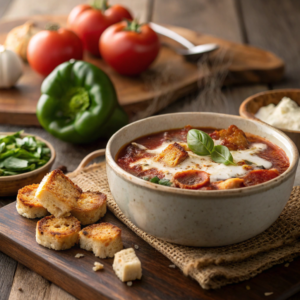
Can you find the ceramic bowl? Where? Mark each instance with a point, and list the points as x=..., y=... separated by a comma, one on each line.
x=199, y=218
x=251, y=105
x=9, y=185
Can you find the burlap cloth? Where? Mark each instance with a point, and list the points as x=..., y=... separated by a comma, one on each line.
x=215, y=267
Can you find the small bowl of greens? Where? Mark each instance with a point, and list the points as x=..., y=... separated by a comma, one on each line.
x=24, y=159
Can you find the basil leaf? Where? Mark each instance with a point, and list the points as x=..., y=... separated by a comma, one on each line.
x=200, y=142
x=15, y=164
x=154, y=179
x=165, y=182
x=221, y=154
x=146, y=178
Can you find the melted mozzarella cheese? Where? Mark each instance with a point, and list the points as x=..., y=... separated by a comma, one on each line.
x=217, y=171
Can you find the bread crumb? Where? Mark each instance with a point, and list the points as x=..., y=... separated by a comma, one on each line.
x=269, y=294
x=286, y=265
x=248, y=287
x=129, y=283
x=20, y=289
x=136, y=247
x=172, y=266
x=78, y=255
x=97, y=266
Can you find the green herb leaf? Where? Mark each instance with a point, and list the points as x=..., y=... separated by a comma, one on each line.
x=165, y=182
x=46, y=151
x=19, y=155
x=2, y=147
x=154, y=179
x=19, y=142
x=8, y=173
x=200, y=142
x=146, y=178
x=8, y=153
x=221, y=154
x=15, y=164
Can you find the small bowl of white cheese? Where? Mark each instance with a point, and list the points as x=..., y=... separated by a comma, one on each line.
x=279, y=108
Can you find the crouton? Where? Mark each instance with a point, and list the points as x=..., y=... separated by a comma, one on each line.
x=91, y=206
x=57, y=233
x=127, y=265
x=27, y=205
x=233, y=138
x=185, y=146
x=58, y=194
x=173, y=155
x=232, y=183
x=103, y=239
x=98, y=266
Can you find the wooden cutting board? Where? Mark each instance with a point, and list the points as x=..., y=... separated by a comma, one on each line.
x=169, y=78
x=159, y=281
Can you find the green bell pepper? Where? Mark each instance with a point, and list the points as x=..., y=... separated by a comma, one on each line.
x=79, y=103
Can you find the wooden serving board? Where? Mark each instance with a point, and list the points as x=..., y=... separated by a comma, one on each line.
x=159, y=281
x=169, y=78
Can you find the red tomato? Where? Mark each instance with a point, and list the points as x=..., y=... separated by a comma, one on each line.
x=49, y=48
x=89, y=23
x=129, y=52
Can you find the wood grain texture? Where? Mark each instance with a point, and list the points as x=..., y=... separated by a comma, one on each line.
x=25, y=281
x=76, y=276
x=217, y=17
x=7, y=264
x=274, y=25
x=169, y=78
x=21, y=8
x=7, y=271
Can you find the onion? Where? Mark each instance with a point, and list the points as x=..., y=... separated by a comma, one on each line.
x=11, y=67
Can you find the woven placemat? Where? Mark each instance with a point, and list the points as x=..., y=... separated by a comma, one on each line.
x=214, y=267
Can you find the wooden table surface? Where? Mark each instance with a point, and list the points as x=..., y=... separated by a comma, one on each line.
x=269, y=24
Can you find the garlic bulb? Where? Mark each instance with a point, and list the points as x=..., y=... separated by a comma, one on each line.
x=18, y=38
x=11, y=67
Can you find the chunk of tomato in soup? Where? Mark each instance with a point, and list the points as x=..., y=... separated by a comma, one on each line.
x=259, y=176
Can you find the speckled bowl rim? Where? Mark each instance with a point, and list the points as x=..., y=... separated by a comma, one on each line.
x=36, y=171
x=250, y=116
x=200, y=193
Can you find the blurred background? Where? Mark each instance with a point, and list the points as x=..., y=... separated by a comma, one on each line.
x=271, y=25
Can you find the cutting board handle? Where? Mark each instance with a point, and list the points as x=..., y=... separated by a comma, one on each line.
x=89, y=158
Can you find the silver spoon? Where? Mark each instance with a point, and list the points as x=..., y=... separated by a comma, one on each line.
x=192, y=52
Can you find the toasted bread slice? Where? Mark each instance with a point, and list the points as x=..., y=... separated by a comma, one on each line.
x=91, y=206
x=27, y=205
x=58, y=194
x=103, y=239
x=127, y=265
x=57, y=233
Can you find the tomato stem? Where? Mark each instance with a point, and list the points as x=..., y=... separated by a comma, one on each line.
x=133, y=26
x=100, y=4
x=52, y=27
